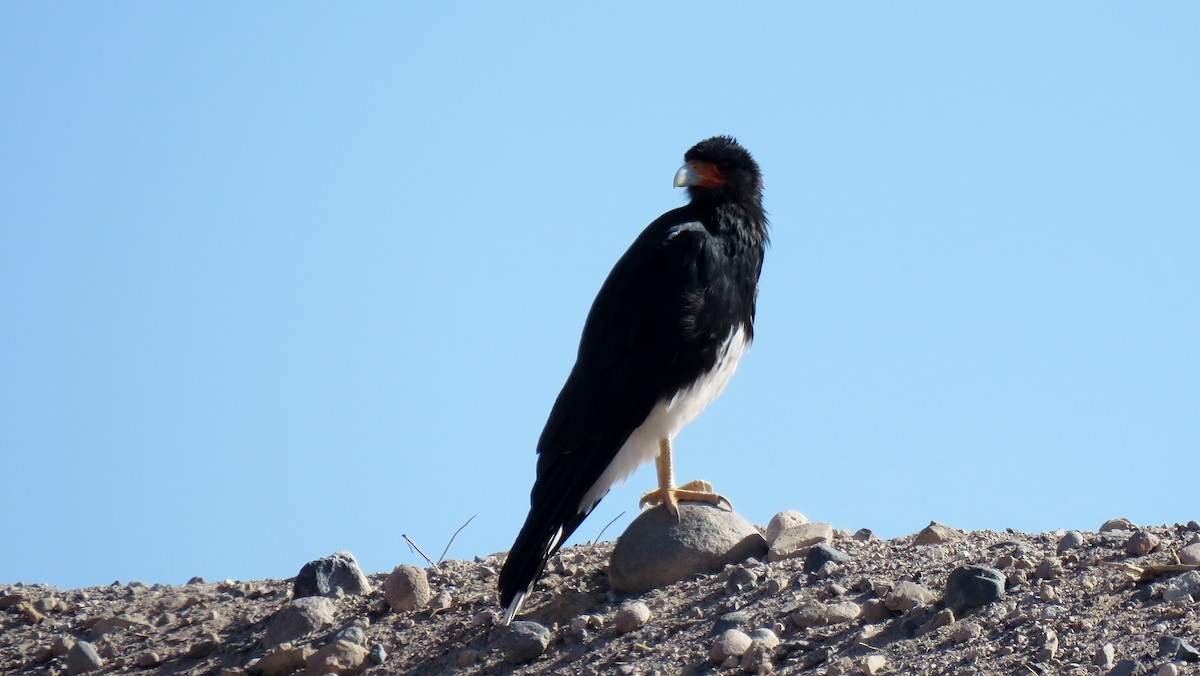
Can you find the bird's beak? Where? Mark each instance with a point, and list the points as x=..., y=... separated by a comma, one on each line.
x=686, y=176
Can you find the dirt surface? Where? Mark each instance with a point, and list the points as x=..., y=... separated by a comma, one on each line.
x=1059, y=611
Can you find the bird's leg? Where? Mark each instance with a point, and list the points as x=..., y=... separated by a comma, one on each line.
x=668, y=494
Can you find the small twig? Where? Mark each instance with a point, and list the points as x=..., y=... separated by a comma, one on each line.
x=443, y=556
x=414, y=546
x=868, y=645
x=606, y=527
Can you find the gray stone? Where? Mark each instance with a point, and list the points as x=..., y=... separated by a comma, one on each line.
x=844, y=611
x=656, y=549
x=1073, y=539
x=1177, y=648
x=631, y=615
x=352, y=634
x=797, y=540
x=83, y=658
x=297, y=619
x=766, y=637
x=323, y=577
x=1119, y=523
x=783, y=521
x=937, y=533
x=966, y=631
x=407, y=588
x=1126, y=668
x=972, y=586
x=1104, y=656
x=340, y=657
x=1141, y=543
x=1050, y=568
x=524, y=641
x=908, y=595
x=1190, y=554
x=737, y=619
x=378, y=654
x=822, y=554
x=1183, y=587
x=731, y=643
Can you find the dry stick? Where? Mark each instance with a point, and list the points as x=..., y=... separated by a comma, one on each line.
x=454, y=536
x=606, y=527
x=414, y=546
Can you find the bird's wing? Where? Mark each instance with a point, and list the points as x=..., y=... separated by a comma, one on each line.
x=641, y=343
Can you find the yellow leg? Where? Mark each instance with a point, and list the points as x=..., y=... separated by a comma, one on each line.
x=668, y=494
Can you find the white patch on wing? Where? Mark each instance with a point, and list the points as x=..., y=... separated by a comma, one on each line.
x=667, y=418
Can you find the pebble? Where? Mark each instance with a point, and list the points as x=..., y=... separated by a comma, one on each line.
x=937, y=533
x=283, y=659
x=1050, y=568
x=1104, y=656
x=1049, y=643
x=352, y=634
x=865, y=535
x=874, y=611
x=147, y=660
x=972, y=586
x=524, y=641
x=942, y=618
x=731, y=643
x=297, y=619
x=1142, y=543
x=766, y=637
x=325, y=576
x=1119, y=523
x=1126, y=668
x=842, y=612
x=782, y=521
x=1073, y=539
x=339, y=657
x=797, y=540
x=822, y=554
x=631, y=615
x=966, y=631
x=407, y=588
x=1190, y=554
x=83, y=658
x=811, y=614
x=908, y=595
x=873, y=664
x=1182, y=587
x=205, y=646
x=1167, y=669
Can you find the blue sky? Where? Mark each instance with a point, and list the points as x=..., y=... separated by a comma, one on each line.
x=286, y=278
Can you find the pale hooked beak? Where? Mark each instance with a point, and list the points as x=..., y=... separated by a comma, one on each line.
x=686, y=176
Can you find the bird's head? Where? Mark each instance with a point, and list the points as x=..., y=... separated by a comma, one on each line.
x=719, y=167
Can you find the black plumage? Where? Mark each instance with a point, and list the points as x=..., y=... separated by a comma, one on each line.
x=662, y=337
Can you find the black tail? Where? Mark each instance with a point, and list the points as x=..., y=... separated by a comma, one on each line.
x=543, y=533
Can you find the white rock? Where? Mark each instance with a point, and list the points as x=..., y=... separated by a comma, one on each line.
x=631, y=615
x=797, y=540
x=782, y=521
x=731, y=643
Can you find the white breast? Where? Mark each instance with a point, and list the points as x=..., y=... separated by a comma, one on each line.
x=668, y=417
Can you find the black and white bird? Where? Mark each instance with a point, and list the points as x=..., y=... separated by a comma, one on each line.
x=661, y=341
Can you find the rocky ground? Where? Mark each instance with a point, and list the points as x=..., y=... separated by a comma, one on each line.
x=1121, y=600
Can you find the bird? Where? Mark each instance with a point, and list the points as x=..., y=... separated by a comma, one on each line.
x=663, y=336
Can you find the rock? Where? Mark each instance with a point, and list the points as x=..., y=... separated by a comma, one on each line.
x=206, y=645
x=874, y=611
x=148, y=660
x=942, y=618
x=731, y=643
x=1141, y=543
x=937, y=533
x=759, y=658
x=353, y=634
x=737, y=619
x=62, y=645
x=811, y=614
x=339, y=657
x=525, y=641
x=83, y=658
x=378, y=654
x=407, y=588
x=797, y=540
x=1167, y=669
x=766, y=637
x=631, y=615
x=323, y=577
x=972, y=586
x=1049, y=643
x=873, y=664
x=1119, y=523
x=467, y=657
x=298, y=619
x=1177, y=649
x=1050, y=568
x=1183, y=587
x=1126, y=668
x=783, y=521
x=865, y=535
x=908, y=595
x=1190, y=554
x=1073, y=539
x=656, y=549
x=822, y=554
x=283, y=659
x=1104, y=656
x=844, y=611
x=966, y=631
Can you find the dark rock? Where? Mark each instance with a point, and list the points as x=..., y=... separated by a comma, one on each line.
x=524, y=641
x=378, y=654
x=822, y=554
x=972, y=586
x=738, y=619
x=1177, y=648
x=324, y=577
x=656, y=549
x=1127, y=668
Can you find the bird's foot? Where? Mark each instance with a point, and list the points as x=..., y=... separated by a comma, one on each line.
x=693, y=491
